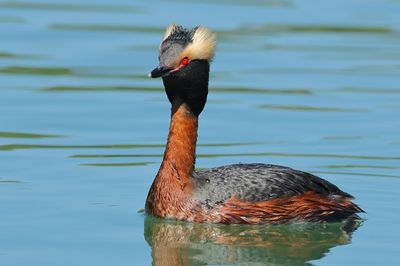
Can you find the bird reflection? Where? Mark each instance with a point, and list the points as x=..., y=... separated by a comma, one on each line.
x=181, y=243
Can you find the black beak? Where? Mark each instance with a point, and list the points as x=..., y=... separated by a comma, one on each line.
x=159, y=72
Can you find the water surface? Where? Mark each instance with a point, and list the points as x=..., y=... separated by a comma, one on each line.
x=313, y=85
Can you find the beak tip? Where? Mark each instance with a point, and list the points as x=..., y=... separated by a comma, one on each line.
x=159, y=72
x=149, y=75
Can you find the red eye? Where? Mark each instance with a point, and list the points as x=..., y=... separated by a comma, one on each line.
x=185, y=61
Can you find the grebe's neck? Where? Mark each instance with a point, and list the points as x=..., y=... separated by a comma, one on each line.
x=180, y=152
x=187, y=91
x=171, y=188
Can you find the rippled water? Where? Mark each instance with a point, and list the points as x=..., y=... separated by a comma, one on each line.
x=309, y=84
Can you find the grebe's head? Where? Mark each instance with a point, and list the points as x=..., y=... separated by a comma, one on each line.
x=184, y=65
x=181, y=46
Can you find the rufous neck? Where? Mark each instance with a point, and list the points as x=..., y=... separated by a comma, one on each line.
x=180, y=152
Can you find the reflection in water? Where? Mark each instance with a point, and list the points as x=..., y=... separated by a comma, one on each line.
x=264, y=29
x=67, y=7
x=117, y=164
x=24, y=135
x=179, y=243
x=309, y=108
x=106, y=28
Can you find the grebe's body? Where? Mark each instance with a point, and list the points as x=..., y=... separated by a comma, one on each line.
x=240, y=193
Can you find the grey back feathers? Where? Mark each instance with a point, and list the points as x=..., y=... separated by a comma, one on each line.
x=257, y=182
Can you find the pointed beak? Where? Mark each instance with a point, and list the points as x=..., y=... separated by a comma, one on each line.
x=160, y=71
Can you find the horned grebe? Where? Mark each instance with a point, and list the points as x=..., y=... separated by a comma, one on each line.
x=239, y=193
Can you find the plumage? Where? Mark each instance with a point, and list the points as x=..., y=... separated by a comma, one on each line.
x=238, y=193
x=257, y=182
x=196, y=44
x=202, y=46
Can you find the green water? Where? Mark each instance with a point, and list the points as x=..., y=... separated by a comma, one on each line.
x=313, y=85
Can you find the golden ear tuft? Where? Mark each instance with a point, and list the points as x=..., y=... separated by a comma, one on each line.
x=202, y=46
